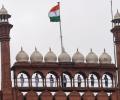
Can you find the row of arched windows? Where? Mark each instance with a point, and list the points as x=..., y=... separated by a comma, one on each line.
x=51, y=80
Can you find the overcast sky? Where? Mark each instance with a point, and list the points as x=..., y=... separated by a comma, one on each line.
x=85, y=24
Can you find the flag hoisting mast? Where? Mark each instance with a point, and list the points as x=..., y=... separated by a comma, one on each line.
x=54, y=15
x=61, y=37
x=111, y=2
x=112, y=11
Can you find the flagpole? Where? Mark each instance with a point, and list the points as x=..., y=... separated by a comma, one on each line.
x=112, y=11
x=113, y=36
x=61, y=37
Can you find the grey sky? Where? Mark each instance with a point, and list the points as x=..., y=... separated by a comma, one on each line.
x=85, y=24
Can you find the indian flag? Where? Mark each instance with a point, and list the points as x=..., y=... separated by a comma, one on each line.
x=54, y=13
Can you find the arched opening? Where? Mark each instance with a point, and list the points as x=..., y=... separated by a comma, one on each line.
x=46, y=95
x=74, y=96
x=93, y=80
x=23, y=80
x=102, y=96
x=31, y=95
x=114, y=96
x=60, y=95
x=79, y=80
x=66, y=80
x=18, y=95
x=107, y=81
x=37, y=80
x=88, y=95
x=51, y=80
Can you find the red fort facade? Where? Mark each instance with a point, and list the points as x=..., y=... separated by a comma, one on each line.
x=58, y=78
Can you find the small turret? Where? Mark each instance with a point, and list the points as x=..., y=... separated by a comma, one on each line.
x=4, y=16
x=116, y=20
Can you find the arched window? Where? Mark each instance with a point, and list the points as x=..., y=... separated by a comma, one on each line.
x=93, y=80
x=51, y=80
x=22, y=80
x=79, y=80
x=66, y=80
x=107, y=80
x=37, y=80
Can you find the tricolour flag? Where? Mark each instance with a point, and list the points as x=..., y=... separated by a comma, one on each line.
x=54, y=13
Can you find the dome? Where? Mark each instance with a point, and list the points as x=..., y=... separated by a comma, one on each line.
x=3, y=10
x=105, y=58
x=91, y=57
x=22, y=56
x=77, y=57
x=50, y=56
x=36, y=56
x=64, y=57
x=117, y=15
